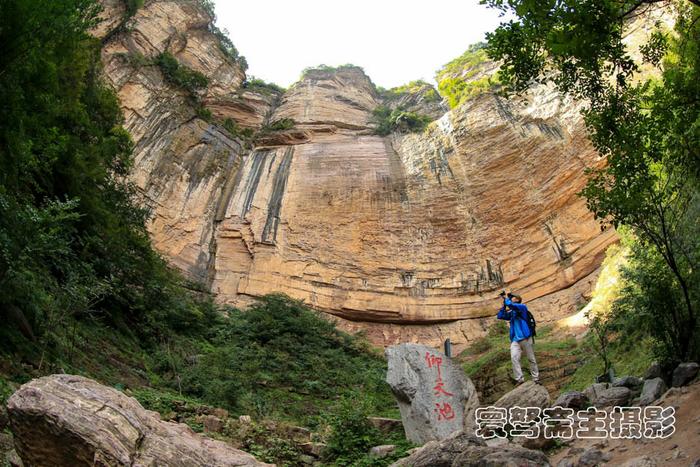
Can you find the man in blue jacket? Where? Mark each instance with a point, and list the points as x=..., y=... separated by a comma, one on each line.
x=515, y=312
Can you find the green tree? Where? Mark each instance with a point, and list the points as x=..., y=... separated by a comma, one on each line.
x=72, y=233
x=647, y=126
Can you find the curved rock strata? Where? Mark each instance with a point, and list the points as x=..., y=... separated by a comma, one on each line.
x=408, y=237
x=72, y=421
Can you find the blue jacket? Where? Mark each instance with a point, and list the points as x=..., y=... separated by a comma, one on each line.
x=517, y=316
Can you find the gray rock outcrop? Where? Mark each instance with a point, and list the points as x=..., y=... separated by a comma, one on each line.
x=464, y=450
x=572, y=399
x=614, y=396
x=684, y=373
x=527, y=394
x=652, y=390
x=435, y=398
x=594, y=390
x=72, y=421
x=631, y=382
x=654, y=371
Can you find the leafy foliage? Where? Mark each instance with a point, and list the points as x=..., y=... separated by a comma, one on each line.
x=400, y=120
x=281, y=359
x=413, y=87
x=458, y=81
x=328, y=69
x=179, y=75
x=281, y=124
x=647, y=128
x=132, y=6
x=258, y=85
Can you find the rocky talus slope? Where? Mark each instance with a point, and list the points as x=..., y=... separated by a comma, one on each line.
x=406, y=236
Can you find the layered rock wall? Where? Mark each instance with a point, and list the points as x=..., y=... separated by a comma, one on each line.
x=408, y=237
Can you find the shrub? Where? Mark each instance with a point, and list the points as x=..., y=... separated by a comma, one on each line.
x=132, y=6
x=279, y=358
x=282, y=124
x=351, y=433
x=399, y=120
x=413, y=87
x=456, y=81
x=179, y=75
x=258, y=85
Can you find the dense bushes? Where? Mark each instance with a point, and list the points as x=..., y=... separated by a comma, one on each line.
x=399, y=120
x=73, y=242
x=179, y=75
x=281, y=359
x=458, y=80
x=413, y=87
x=263, y=87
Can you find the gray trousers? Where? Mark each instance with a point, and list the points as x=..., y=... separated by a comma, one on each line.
x=516, y=349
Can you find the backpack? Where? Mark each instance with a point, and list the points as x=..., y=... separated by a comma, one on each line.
x=531, y=323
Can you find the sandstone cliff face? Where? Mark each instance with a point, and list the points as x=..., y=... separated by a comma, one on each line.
x=407, y=237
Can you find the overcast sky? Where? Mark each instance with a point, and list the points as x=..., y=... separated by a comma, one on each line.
x=395, y=41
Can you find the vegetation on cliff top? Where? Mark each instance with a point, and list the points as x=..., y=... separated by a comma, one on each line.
x=458, y=81
x=429, y=93
x=329, y=69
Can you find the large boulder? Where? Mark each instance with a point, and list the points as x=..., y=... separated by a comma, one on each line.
x=684, y=373
x=654, y=371
x=466, y=450
x=651, y=391
x=435, y=398
x=614, y=396
x=72, y=421
x=525, y=395
x=595, y=390
x=385, y=425
x=632, y=382
x=572, y=400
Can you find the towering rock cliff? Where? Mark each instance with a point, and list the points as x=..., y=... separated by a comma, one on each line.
x=408, y=237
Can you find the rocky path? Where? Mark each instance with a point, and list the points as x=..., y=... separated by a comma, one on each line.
x=680, y=449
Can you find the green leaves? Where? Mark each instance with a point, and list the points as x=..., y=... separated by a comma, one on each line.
x=398, y=120
x=179, y=75
x=646, y=128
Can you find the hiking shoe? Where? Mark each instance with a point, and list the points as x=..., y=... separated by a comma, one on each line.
x=536, y=381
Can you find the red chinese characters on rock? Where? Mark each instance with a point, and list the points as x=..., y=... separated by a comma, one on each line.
x=443, y=410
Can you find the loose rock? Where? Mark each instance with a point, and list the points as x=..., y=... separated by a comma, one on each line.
x=651, y=391
x=466, y=450
x=382, y=451
x=313, y=449
x=614, y=396
x=435, y=398
x=654, y=371
x=684, y=373
x=591, y=457
x=643, y=461
x=71, y=421
x=526, y=395
x=213, y=424
x=385, y=425
x=572, y=399
x=594, y=390
x=630, y=382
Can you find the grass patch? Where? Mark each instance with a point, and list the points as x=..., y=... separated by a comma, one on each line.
x=629, y=356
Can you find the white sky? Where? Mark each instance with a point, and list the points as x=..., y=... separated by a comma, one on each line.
x=394, y=41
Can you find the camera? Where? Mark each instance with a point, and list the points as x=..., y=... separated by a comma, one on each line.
x=502, y=294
